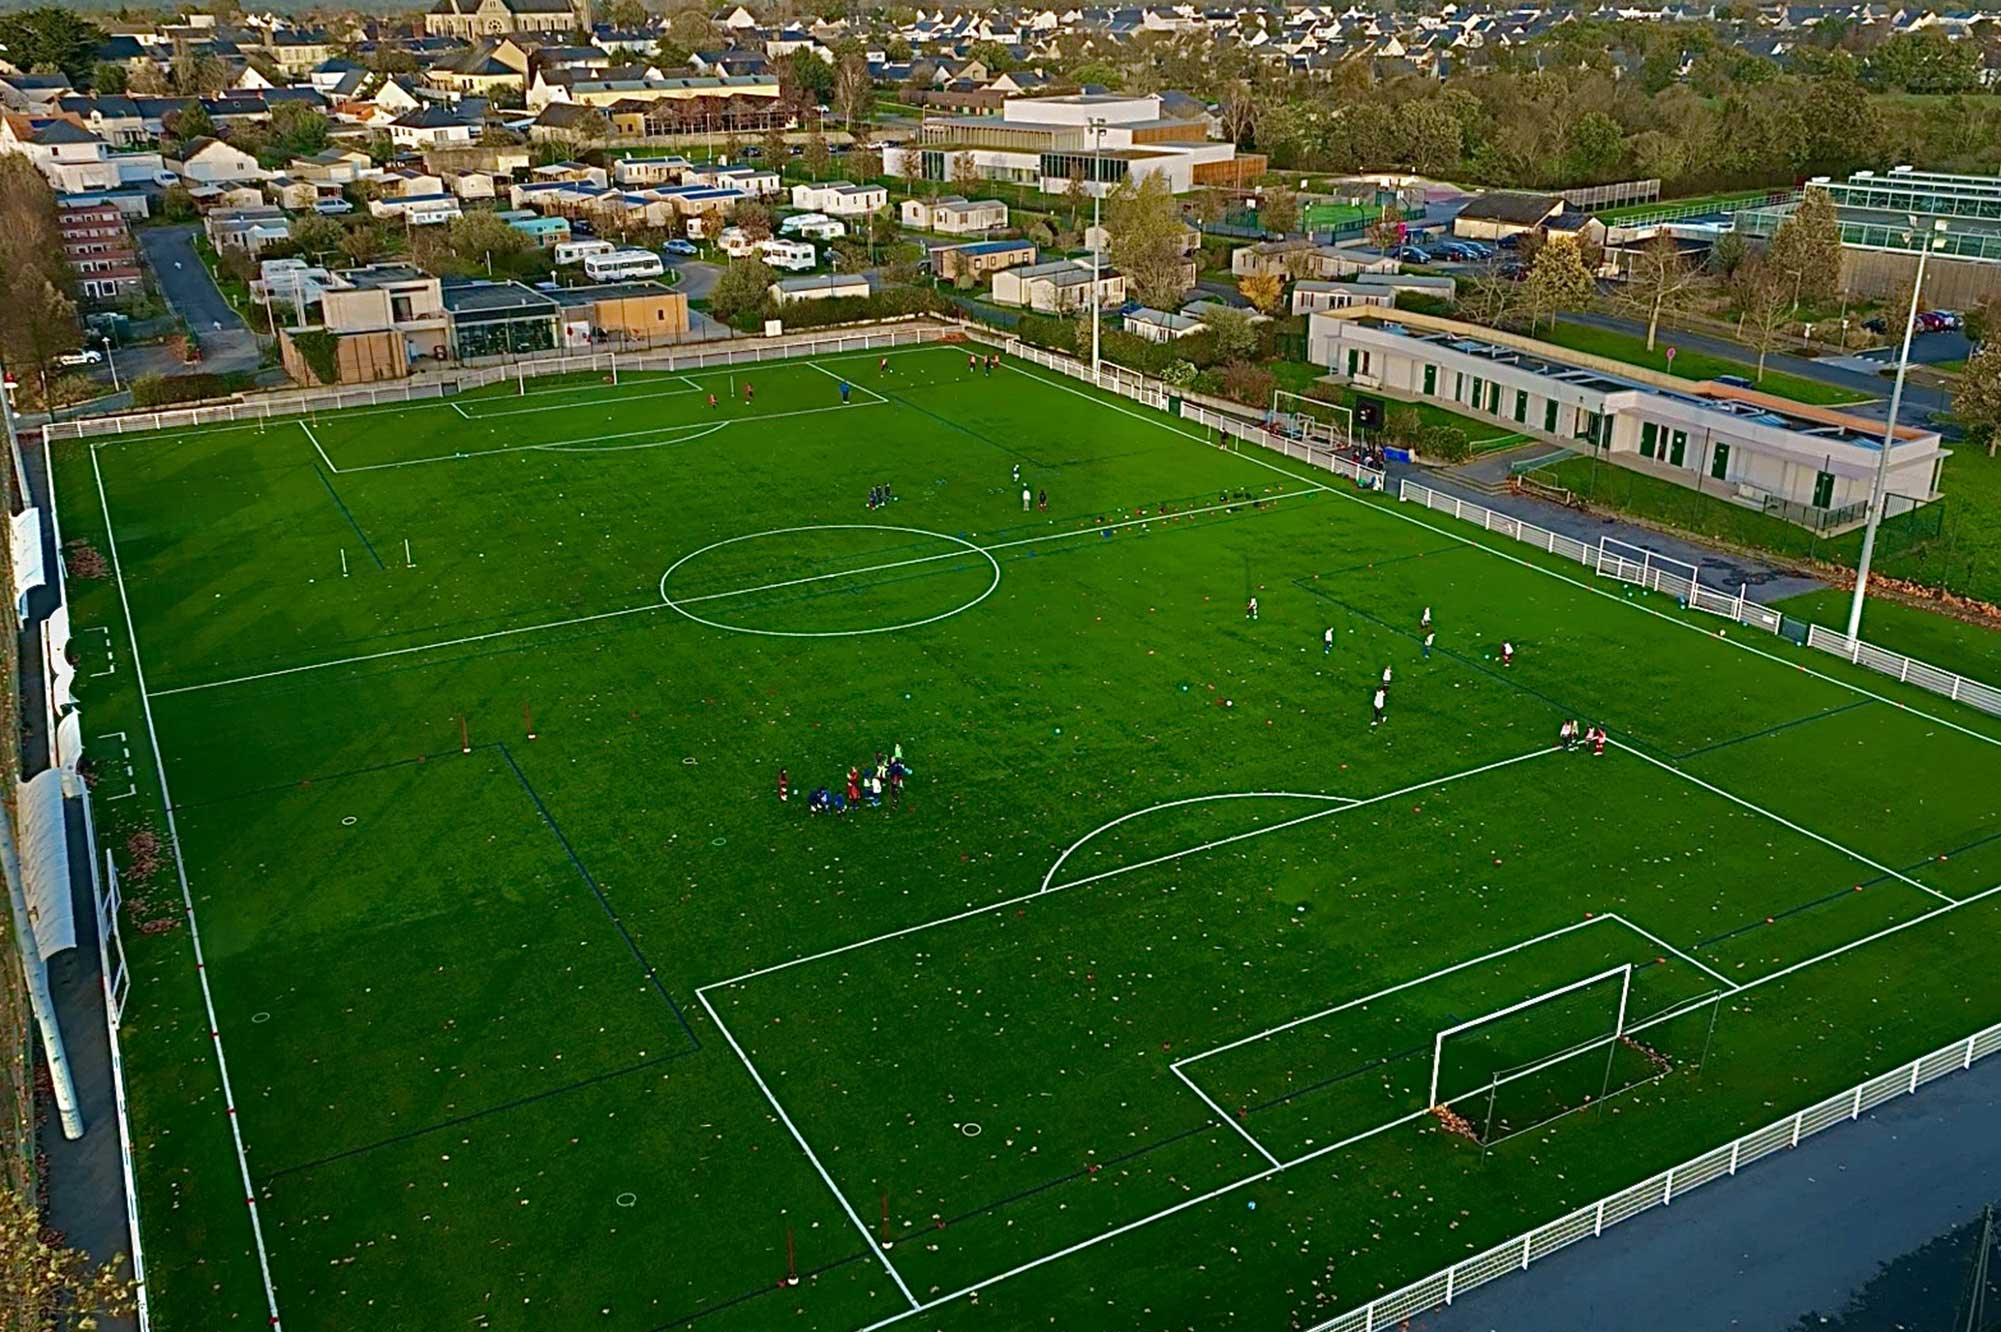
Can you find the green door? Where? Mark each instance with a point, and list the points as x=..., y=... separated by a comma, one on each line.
x=1354, y=361
x=1521, y=405
x=1823, y=490
x=1493, y=399
x=1549, y=416
x=1649, y=433
x=1431, y=381
x=1678, y=447
x=1478, y=392
x=1719, y=462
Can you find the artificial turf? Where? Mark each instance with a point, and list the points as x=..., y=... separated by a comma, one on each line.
x=531, y=988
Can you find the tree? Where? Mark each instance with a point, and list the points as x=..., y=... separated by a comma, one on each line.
x=1558, y=280
x=1265, y=291
x=1765, y=294
x=52, y=38
x=192, y=122
x=817, y=158
x=808, y=77
x=1075, y=195
x=316, y=236
x=44, y=1281
x=35, y=281
x=626, y=15
x=363, y=243
x=1729, y=254
x=965, y=172
x=1977, y=403
x=754, y=218
x=1211, y=206
x=1925, y=61
x=197, y=73
x=774, y=143
x=692, y=29
x=1808, y=245
x=743, y=288
x=1146, y=233
x=1660, y=282
x=1386, y=232
x=1236, y=336
x=1278, y=209
x=298, y=129
x=852, y=89
x=474, y=236
x=865, y=162
x=108, y=78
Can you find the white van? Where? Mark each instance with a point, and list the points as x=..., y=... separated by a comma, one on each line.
x=576, y=251
x=623, y=266
x=792, y=256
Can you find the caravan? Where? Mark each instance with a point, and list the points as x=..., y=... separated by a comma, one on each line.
x=623, y=266
x=791, y=256
x=812, y=226
x=575, y=252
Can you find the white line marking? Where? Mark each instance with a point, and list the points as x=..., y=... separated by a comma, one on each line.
x=460, y=410
x=1176, y=804
x=187, y=902
x=627, y=448
x=1782, y=822
x=825, y=1178
x=1078, y=883
x=603, y=389
x=1242, y=1131
x=1663, y=943
x=843, y=379
x=302, y=425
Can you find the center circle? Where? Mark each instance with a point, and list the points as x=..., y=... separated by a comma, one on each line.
x=682, y=606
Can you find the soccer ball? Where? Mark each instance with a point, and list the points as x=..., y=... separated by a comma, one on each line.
x=1228, y=704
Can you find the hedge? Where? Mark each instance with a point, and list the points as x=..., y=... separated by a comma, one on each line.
x=165, y=390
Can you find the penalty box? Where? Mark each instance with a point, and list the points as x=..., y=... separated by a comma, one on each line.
x=987, y=1087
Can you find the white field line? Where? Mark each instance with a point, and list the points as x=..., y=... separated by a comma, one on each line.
x=843, y=379
x=302, y=425
x=989, y=907
x=1221, y=1115
x=1663, y=943
x=622, y=399
x=627, y=448
x=1426, y=979
x=799, y=1138
x=1856, y=856
x=1177, y=804
x=1160, y=419
x=1396, y=511
x=188, y=904
x=460, y=410
x=662, y=605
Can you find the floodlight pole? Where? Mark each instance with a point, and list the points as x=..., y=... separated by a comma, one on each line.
x=1881, y=482
x=1097, y=237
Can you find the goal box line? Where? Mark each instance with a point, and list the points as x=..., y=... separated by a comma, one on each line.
x=1624, y=971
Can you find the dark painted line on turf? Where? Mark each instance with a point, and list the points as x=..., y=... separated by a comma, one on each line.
x=652, y=976
x=1367, y=565
x=765, y=1289
x=315, y=778
x=1324, y=1083
x=1774, y=730
x=341, y=504
x=467, y=1118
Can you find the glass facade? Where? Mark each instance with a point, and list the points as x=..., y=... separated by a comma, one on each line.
x=1085, y=167
x=507, y=336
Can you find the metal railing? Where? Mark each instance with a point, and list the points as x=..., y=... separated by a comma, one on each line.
x=1907, y=669
x=1517, y=1254
x=301, y=402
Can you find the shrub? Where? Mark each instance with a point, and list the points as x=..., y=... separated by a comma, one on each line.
x=165, y=390
x=1444, y=443
x=321, y=352
x=1179, y=373
x=1249, y=384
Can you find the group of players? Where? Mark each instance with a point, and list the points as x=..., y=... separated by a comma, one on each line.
x=883, y=778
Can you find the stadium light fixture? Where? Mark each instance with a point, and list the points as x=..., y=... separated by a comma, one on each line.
x=1934, y=241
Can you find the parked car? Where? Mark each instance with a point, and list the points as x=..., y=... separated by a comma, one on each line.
x=82, y=356
x=1931, y=321
x=1876, y=324
x=680, y=247
x=1514, y=270
x=1410, y=254
x=1735, y=381
x=581, y=227
x=1510, y=241
x=332, y=207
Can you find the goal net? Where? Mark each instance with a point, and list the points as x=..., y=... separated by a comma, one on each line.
x=1635, y=564
x=1555, y=1054
x=1323, y=425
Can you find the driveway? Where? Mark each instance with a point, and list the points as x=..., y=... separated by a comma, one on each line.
x=698, y=277
x=227, y=343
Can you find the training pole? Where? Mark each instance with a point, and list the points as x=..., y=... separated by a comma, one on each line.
x=408, y=563
x=528, y=721
x=343, y=561
x=465, y=736
x=791, y=1260
x=887, y=1242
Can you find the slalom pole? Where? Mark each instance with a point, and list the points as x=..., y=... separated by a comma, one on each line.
x=465, y=735
x=887, y=1242
x=528, y=721
x=343, y=561
x=791, y=1260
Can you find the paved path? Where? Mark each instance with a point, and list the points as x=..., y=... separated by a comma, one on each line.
x=227, y=343
x=1784, y=1244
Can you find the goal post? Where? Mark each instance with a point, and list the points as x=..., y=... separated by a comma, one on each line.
x=1327, y=425
x=1623, y=973
x=1636, y=564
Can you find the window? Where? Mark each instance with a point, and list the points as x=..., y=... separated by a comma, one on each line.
x=1521, y=405
x=1549, y=416
x=1678, y=448
x=1649, y=434
x=1431, y=381
x=1719, y=462
x=1823, y=490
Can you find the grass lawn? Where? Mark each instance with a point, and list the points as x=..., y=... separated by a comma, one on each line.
x=1954, y=645
x=537, y=997
x=1632, y=350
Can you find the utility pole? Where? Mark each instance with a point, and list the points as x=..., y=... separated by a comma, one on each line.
x=1097, y=235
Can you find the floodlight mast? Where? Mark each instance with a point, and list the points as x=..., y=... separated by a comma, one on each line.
x=1877, y=497
x=1097, y=236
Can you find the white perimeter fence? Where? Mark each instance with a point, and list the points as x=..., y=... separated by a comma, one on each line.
x=697, y=356
x=1661, y=1190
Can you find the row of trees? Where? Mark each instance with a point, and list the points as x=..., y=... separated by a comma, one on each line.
x=37, y=288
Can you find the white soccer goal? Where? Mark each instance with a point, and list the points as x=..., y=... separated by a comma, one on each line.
x=1623, y=973
x=1324, y=425
x=1635, y=564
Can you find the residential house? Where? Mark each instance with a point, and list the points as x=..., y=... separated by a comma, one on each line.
x=1058, y=287
x=981, y=258
x=206, y=161
x=249, y=229
x=954, y=216
x=840, y=198
x=72, y=159
x=431, y=126
x=98, y=245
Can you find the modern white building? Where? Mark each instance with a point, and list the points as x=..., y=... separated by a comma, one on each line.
x=1808, y=464
x=1098, y=139
x=840, y=198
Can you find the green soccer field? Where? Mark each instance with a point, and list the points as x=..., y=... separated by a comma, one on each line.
x=541, y=1010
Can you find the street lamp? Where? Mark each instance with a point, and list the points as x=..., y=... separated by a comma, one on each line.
x=1097, y=234
x=110, y=361
x=1935, y=241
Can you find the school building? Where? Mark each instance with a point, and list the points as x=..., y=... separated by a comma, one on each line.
x=1809, y=465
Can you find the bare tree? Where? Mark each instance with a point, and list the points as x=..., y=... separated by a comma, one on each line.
x=1660, y=282
x=1765, y=293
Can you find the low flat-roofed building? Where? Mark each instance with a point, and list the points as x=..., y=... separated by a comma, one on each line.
x=1058, y=287
x=1810, y=465
x=981, y=258
x=621, y=313
x=954, y=215
x=818, y=287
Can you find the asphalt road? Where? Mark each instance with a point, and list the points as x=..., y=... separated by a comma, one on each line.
x=227, y=343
